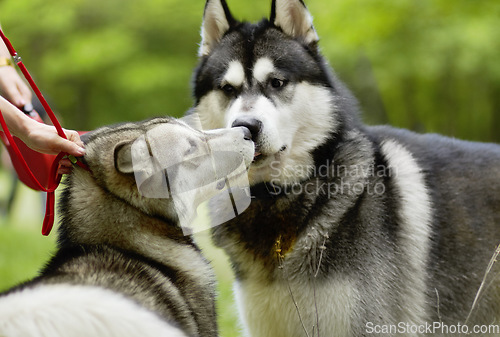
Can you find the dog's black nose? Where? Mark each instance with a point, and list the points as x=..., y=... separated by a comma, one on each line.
x=254, y=126
x=247, y=135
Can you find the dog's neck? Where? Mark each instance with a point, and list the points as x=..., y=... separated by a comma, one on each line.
x=92, y=215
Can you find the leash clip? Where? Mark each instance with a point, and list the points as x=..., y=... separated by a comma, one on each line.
x=17, y=58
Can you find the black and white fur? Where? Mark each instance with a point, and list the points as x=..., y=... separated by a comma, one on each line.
x=351, y=226
x=123, y=266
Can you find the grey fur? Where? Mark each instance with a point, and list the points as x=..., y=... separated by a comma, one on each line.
x=380, y=226
x=113, y=238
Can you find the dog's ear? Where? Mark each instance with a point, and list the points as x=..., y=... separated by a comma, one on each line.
x=217, y=20
x=123, y=158
x=294, y=19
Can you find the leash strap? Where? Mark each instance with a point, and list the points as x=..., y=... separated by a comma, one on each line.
x=19, y=62
x=48, y=221
x=54, y=178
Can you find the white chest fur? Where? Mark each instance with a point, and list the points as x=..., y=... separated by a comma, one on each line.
x=288, y=308
x=79, y=311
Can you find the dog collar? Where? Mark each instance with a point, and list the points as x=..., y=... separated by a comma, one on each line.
x=79, y=161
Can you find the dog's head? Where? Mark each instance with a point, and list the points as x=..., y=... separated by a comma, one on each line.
x=160, y=167
x=270, y=78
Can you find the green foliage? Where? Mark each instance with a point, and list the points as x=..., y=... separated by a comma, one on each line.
x=427, y=65
x=22, y=253
x=107, y=61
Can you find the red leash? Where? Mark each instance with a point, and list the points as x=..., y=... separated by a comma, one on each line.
x=53, y=179
x=28, y=77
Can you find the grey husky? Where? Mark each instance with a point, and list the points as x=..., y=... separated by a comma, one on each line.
x=123, y=266
x=353, y=230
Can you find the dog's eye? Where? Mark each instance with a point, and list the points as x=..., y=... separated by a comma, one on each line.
x=228, y=89
x=277, y=83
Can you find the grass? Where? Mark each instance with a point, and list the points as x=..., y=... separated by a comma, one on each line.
x=23, y=251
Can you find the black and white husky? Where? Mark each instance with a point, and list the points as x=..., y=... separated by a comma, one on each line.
x=124, y=267
x=353, y=230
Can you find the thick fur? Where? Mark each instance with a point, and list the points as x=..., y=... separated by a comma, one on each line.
x=352, y=229
x=123, y=266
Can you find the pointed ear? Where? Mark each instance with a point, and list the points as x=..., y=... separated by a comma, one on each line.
x=217, y=20
x=123, y=158
x=294, y=19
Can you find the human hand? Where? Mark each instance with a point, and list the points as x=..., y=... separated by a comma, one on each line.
x=13, y=87
x=44, y=138
x=39, y=136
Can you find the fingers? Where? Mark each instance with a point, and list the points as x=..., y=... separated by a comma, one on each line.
x=19, y=93
x=65, y=162
x=44, y=138
x=65, y=166
x=73, y=145
x=24, y=92
x=14, y=88
x=74, y=137
x=63, y=145
x=15, y=97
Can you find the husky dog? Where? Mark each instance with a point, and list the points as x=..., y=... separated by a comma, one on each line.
x=123, y=266
x=353, y=230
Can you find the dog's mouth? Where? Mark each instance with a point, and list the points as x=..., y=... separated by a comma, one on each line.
x=259, y=156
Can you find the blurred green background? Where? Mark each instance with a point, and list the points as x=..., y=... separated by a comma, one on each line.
x=426, y=65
